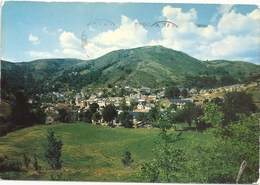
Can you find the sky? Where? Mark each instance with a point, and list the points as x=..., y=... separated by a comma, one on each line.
x=84, y=30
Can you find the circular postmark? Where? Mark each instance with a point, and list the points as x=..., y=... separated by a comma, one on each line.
x=93, y=28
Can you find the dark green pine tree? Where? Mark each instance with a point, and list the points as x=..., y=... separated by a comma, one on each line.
x=53, y=151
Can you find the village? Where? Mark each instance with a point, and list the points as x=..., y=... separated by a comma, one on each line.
x=140, y=100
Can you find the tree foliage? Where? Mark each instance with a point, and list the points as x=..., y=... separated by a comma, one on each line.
x=212, y=115
x=126, y=119
x=184, y=93
x=172, y=92
x=167, y=162
x=237, y=102
x=109, y=113
x=127, y=158
x=218, y=161
x=191, y=112
x=53, y=151
x=96, y=116
x=94, y=107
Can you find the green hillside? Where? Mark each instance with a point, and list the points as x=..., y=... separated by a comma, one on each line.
x=90, y=152
x=153, y=66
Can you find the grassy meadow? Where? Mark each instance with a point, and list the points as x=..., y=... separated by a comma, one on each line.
x=89, y=152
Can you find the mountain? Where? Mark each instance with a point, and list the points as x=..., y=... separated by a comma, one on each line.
x=153, y=66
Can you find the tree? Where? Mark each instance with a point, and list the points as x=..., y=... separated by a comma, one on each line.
x=190, y=112
x=172, y=92
x=35, y=163
x=184, y=93
x=212, y=115
x=123, y=106
x=21, y=111
x=168, y=160
x=94, y=107
x=218, y=160
x=133, y=104
x=127, y=158
x=109, y=113
x=96, y=116
x=26, y=160
x=88, y=116
x=53, y=151
x=237, y=102
x=63, y=115
x=126, y=119
x=217, y=101
x=153, y=114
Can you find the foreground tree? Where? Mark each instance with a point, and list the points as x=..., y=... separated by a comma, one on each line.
x=21, y=111
x=218, y=160
x=53, y=151
x=237, y=102
x=167, y=162
x=168, y=159
x=213, y=116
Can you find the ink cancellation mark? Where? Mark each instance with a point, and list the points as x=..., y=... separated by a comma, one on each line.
x=159, y=24
x=97, y=22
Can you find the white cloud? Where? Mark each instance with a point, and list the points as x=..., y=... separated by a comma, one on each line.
x=71, y=46
x=69, y=40
x=235, y=37
x=177, y=16
x=236, y=23
x=48, y=30
x=224, y=8
x=127, y=35
x=234, y=47
x=33, y=39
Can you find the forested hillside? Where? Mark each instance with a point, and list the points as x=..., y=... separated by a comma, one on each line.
x=153, y=66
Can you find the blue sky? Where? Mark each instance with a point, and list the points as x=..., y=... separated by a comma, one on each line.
x=36, y=30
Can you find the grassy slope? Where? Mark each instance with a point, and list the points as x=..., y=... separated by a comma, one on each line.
x=90, y=153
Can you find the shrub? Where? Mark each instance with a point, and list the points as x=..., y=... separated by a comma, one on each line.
x=127, y=160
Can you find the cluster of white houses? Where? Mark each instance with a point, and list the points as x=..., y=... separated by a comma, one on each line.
x=144, y=102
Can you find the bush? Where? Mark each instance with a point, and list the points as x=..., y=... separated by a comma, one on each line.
x=127, y=160
x=9, y=165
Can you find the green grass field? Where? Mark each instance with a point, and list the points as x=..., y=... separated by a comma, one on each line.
x=89, y=153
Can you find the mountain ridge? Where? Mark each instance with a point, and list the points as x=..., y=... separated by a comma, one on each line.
x=154, y=66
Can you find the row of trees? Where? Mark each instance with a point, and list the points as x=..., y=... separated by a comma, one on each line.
x=108, y=114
